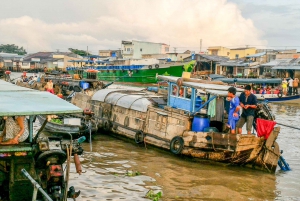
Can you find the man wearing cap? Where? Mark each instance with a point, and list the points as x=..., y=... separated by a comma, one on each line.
x=248, y=102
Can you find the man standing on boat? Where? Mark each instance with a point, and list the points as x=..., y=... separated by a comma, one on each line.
x=234, y=111
x=248, y=102
x=291, y=86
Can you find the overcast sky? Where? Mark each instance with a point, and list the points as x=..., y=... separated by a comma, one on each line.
x=102, y=24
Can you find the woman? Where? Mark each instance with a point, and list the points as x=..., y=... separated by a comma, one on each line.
x=15, y=130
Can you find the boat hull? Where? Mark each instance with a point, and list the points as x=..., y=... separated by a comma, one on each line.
x=170, y=129
x=142, y=75
x=295, y=99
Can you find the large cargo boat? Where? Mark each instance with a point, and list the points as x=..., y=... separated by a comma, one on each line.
x=184, y=122
x=130, y=73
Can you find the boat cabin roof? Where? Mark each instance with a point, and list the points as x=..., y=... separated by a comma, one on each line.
x=16, y=100
x=216, y=89
x=131, y=99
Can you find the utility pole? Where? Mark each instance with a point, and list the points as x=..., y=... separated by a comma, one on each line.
x=200, y=45
x=57, y=50
x=87, y=50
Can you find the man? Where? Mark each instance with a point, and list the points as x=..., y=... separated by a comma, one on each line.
x=291, y=86
x=234, y=111
x=49, y=86
x=248, y=102
x=295, y=86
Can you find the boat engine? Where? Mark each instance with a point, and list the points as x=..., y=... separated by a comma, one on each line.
x=52, y=153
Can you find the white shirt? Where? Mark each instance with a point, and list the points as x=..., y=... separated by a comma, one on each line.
x=291, y=83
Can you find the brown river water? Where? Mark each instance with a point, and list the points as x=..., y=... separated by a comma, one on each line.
x=178, y=178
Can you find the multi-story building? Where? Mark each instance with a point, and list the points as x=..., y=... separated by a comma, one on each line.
x=218, y=51
x=135, y=49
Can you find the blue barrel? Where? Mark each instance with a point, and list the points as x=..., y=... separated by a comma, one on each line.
x=200, y=122
x=85, y=85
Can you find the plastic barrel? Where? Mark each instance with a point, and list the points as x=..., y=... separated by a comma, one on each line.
x=85, y=85
x=200, y=122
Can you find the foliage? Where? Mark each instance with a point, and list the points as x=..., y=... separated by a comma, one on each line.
x=166, y=73
x=132, y=173
x=12, y=48
x=153, y=196
x=79, y=52
x=58, y=121
x=190, y=66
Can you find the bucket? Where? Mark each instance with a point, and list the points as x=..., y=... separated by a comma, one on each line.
x=85, y=85
x=24, y=73
x=76, y=76
x=186, y=75
x=200, y=122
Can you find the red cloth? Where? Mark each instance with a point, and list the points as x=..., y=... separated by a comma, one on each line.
x=264, y=127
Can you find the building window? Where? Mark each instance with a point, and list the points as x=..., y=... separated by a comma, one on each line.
x=166, y=49
x=128, y=49
x=141, y=49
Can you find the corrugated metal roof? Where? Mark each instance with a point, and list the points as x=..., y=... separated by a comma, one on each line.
x=123, y=98
x=15, y=100
x=256, y=55
x=286, y=67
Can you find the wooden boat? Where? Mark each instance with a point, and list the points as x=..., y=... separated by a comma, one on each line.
x=40, y=159
x=272, y=97
x=180, y=123
x=74, y=125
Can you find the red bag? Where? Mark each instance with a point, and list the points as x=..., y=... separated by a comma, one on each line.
x=264, y=127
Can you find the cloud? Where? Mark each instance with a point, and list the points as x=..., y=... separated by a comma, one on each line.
x=177, y=22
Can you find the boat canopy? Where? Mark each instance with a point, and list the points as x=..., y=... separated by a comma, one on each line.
x=123, y=98
x=102, y=94
x=15, y=100
x=249, y=81
x=203, y=86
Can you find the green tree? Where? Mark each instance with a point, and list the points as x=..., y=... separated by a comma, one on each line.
x=79, y=52
x=12, y=48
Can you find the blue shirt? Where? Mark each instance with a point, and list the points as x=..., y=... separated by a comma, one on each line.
x=251, y=100
x=234, y=103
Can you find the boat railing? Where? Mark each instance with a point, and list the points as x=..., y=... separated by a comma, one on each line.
x=36, y=186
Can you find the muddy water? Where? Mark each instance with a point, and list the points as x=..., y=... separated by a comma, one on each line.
x=178, y=178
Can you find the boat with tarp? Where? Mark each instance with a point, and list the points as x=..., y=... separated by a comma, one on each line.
x=268, y=89
x=37, y=168
x=188, y=121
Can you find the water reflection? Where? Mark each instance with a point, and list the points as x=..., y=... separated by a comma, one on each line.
x=178, y=178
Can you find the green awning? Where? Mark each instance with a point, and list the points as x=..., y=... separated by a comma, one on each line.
x=15, y=100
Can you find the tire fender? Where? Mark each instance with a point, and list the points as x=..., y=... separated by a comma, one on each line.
x=138, y=136
x=176, y=145
x=107, y=125
x=150, y=67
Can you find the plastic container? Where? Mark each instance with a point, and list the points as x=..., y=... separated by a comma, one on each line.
x=200, y=122
x=85, y=85
x=76, y=76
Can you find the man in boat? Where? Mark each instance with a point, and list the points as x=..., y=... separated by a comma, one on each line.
x=15, y=130
x=49, y=87
x=291, y=86
x=295, y=86
x=248, y=102
x=234, y=111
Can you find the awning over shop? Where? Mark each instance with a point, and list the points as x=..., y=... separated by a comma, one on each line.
x=256, y=55
x=7, y=60
x=286, y=68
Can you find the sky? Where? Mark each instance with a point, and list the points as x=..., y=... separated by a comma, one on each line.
x=57, y=25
